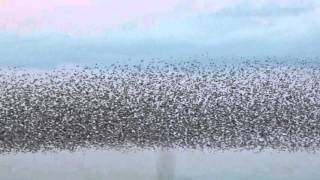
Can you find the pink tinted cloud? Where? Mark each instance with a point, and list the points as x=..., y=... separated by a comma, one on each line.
x=281, y=3
x=82, y=16
x=211, y=6
x=78, y=15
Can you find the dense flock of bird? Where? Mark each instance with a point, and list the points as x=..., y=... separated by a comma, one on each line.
x=251, y=105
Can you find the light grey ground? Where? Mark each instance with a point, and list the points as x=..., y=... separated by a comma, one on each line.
x=149, y=165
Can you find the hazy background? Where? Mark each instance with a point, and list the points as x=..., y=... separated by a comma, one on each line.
x=51, y=33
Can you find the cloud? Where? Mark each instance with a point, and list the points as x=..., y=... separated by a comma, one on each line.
x=78, y=15
x=95, y=15
x=92, y=16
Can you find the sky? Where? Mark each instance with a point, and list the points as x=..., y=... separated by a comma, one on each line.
x=49, y=33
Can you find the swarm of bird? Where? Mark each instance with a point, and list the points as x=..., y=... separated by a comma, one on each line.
x=251, y=105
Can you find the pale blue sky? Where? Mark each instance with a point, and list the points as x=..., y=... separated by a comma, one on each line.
x=240, y=29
